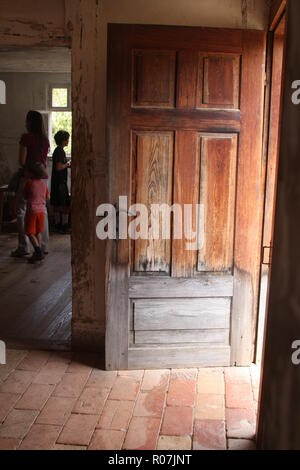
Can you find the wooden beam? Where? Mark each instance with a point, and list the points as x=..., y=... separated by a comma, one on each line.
x=277, y=9
x=88, y=322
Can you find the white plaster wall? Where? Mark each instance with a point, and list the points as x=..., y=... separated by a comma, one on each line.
x=24, y=91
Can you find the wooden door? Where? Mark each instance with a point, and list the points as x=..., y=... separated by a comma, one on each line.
x=185, y=114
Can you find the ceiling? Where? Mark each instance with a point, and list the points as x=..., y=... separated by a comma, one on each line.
x=55, y=60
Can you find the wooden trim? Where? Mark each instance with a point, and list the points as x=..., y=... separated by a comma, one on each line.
x=165, y=287
x=195, y=356
x=26, y=34
x=277, y=9
x=249, y=216
x=202, y=120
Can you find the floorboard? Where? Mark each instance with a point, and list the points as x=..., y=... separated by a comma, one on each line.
x=36, y=300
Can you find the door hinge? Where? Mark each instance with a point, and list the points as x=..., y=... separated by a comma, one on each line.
x=267, y=255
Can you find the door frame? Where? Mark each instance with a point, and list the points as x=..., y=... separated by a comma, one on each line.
x=273, y=114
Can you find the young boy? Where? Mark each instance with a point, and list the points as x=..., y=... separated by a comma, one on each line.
x=36, y=194
x=60, y=199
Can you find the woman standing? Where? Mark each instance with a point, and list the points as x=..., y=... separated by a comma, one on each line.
x=34, y=148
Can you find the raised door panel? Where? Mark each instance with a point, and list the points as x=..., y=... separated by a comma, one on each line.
x=152, y=185
x=218, y=81
x=153, y=78
x=217, y=202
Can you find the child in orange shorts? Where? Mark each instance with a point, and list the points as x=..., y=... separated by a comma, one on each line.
x=36, y=194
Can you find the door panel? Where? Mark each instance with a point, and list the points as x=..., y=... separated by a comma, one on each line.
x=153, y=78
x=153, y=155
x=219, y=81
x=174, y=137
x=217, y=196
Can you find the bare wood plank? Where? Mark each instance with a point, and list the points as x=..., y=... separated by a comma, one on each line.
x=187, y=72
x=181, y=314
x=32, y=33
x=118, y=143
x=218, y=356
x=271, y=149
x=181, y=337
x=154, y=177
x=202, y=120
x=186, y=191
x=277, y=9
x=84, y=22
x=249, y=215
x=163, y=287
x=217, y=199
x=207, y=39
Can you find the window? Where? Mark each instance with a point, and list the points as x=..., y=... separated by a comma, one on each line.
x=59, y=97
x=60, y=115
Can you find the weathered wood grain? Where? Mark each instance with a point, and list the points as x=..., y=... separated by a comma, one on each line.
x=272, y=145
x=217, y=200
x=181, y=314
x=83, y=23
x=250, y=200
x=153, y=78
x=149, y=358
x=164, y=287
x=154, y=179
x=219, y=76
x=186, y=192
x=181, y=337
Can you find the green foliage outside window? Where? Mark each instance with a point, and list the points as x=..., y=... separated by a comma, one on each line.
x=59, y=97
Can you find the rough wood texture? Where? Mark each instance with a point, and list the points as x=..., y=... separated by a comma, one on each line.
x=217, y=199
x=163, y=287
x=181, y=337
x=36, y=302
x=272, y=132
x=153, y=170
x=223, y=49
x=218, y=81
x=82, y=19
x=41, y=26
x=280, y=377
x=188, y=314
x=250, y=199
x=153, y=78
x=186, y=191
x=218, y=356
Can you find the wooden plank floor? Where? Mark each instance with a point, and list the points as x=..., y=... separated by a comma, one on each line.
x=36, y=300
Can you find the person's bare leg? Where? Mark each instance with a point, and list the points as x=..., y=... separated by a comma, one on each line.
x=36, y=241
x=39, y=238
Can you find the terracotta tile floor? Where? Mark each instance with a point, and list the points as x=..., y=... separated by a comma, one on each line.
x=55, y=401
